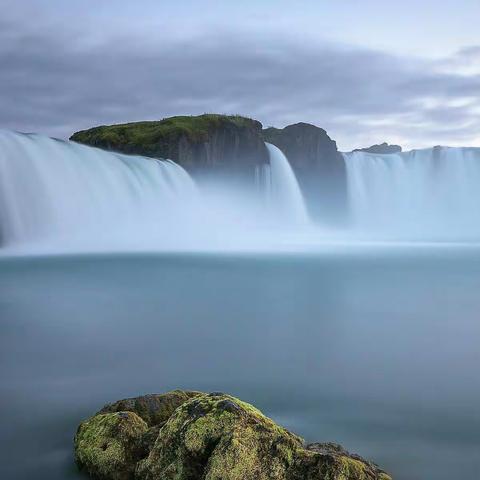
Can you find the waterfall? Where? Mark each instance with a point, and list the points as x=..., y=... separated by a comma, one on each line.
x=62, y=196
x=281, y=189
x=58, y=191
x=72, y=197
x=422, y=194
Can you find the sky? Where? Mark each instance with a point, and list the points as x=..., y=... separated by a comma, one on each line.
x=367, y=71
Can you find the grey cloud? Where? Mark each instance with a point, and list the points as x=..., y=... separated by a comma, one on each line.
x=55, y=82
x=470, y=53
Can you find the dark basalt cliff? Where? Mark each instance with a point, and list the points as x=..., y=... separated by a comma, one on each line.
x=204, y=143
x=382, y=148
x=317, y=163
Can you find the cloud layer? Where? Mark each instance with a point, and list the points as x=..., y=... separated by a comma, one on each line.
x=56, y=81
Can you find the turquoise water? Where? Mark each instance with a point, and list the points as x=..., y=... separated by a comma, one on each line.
x=377, y=351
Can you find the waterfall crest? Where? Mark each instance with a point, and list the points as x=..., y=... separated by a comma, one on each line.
x=423, y=194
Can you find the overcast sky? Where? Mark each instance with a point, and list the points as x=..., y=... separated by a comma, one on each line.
x=367, y=71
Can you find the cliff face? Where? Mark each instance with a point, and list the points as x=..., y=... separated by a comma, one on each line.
x=318, y=165
x=201, y=144
x=382, y=148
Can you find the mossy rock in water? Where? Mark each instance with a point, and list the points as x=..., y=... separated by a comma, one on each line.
x=206, y=437
x=108, y=445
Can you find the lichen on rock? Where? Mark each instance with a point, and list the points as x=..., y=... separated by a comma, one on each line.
x=329, y=461
x=206, y=437
x=217, y=436
x=107, y=446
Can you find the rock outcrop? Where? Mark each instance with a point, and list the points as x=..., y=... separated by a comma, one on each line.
x=382, y=148
x=232, y=147
x=197, y=436
x=201, y=144
x=318, y=165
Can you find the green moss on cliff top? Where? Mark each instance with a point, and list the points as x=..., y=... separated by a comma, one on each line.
x=155, y=138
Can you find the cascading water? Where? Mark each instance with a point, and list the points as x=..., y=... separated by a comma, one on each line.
x=420, y=195
x=282, y=192
x=59, y=192
x=63, y=196
x=68, y=196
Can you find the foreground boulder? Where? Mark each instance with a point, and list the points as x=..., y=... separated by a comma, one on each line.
x=191, y=435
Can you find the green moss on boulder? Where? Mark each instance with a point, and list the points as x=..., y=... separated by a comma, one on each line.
x=206, y=437
x=217, y=436
x=329, y=461
x=107, y=446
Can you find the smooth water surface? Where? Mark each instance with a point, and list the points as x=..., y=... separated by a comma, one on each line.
x=377, y=351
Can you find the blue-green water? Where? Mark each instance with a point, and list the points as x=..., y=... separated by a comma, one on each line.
x=379, y=352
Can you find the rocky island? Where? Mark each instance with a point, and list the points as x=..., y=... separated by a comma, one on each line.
x=234, y=146
x=188, y=435
x=202, y=143
x=382, y=149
